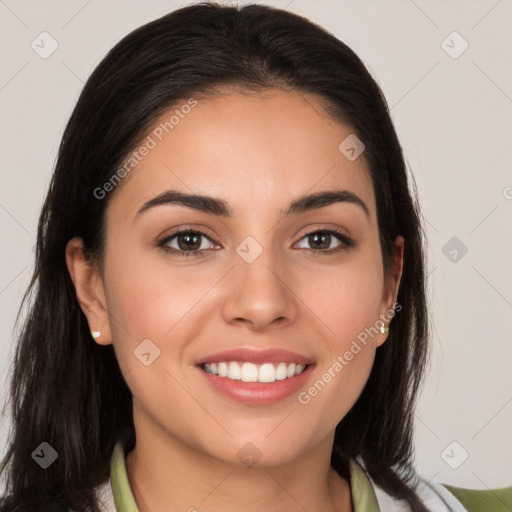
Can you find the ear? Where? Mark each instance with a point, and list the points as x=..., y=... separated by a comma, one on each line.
x=392, y=283
x=89, y=290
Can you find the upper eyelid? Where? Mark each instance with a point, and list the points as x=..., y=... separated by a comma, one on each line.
x=333, y=231
x=184, y=231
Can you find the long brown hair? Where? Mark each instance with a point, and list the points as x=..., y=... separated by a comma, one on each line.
x=67, y=390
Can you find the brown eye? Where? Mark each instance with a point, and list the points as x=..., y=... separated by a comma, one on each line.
x=321, y=241
x=189, y=241
x=186, y=243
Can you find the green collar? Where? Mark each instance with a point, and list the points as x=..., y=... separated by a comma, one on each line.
x=363, y=494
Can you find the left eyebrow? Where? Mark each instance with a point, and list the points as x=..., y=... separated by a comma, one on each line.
x=322, y=199
x=219, y=207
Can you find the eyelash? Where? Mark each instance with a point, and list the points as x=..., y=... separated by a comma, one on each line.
x=346, y=242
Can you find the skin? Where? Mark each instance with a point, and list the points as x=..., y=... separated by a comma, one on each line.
x=258, y=152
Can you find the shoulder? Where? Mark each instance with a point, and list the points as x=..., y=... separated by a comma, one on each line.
x=435, y=496
x=439, y=497
x=495, y=500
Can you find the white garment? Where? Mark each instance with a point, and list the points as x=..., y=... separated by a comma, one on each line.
x=105, y=497
x=436, y=498
x=433, y=495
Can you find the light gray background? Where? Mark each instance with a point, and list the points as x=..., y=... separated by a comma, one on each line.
x=454, y=119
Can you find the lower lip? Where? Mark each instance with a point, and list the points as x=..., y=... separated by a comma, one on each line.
x=258, y=393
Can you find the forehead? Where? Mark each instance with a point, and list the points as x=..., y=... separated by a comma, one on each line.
x=250, y=149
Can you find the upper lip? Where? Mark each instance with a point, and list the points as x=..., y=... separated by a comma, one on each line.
x=256, y=356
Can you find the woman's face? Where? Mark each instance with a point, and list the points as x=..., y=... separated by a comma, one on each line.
x=255, y=286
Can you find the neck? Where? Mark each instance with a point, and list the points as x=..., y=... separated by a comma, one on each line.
x=166, y=474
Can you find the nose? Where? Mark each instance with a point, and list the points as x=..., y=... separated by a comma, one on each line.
x=259, y=294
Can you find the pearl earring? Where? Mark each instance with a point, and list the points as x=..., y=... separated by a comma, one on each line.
x=96, y=334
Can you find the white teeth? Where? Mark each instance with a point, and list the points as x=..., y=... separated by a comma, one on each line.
x=281, y=371
x=250, y=372
x=223, y=369
x=267, y=373
x=234, y=371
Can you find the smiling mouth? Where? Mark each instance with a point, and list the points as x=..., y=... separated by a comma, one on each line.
x=250, y=372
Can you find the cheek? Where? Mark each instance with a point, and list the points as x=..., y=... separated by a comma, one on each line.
x=336, y=385
x=347, y=299
x=150, y=298
x=153, y=301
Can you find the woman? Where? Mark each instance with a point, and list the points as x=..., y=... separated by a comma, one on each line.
x=276, y=366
